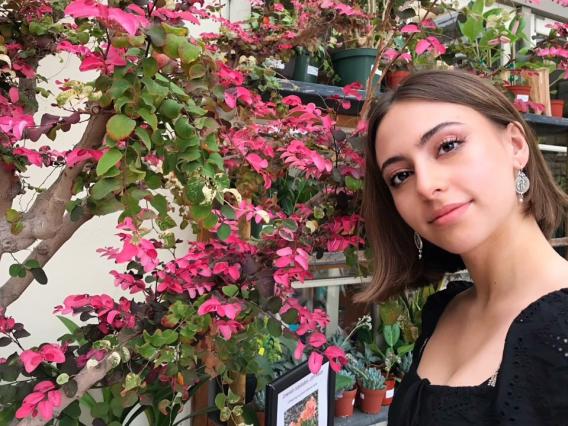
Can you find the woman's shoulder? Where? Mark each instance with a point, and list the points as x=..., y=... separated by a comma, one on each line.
x=437, y=302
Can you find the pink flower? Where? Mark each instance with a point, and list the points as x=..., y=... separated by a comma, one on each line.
x=410, y=28
x=299, y=350
x=229, y=310
x=317, y=339
x=314, y=362
x=292, y=100
x=43, y=400
x=336, y=357
x=228, y=328
x=47, y=353
x=353, y=90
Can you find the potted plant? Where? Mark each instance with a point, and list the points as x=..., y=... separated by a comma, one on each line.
x=372, y=390
x=345, y=393
x=259, y=400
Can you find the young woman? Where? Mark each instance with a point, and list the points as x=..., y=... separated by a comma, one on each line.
x=455, y=178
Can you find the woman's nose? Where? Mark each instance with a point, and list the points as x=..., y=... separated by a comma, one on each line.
x=430, y=180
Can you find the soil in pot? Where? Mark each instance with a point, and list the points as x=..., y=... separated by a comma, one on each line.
x=557, y=107
x=344, y=405
x=370, y=400
x=389, y=392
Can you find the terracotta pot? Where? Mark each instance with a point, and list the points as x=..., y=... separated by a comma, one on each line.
x=260, y=417
x=389, y=392
x=557, y=107
x=344, y=405
x=396, y=77
x=370, y=400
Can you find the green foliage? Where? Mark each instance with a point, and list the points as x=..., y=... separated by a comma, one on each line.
x=373, y=379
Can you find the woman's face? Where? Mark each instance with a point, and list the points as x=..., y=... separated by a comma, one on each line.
x=441, y=158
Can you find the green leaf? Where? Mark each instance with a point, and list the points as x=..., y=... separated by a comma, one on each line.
x=13, y=216
x=353, y=184
x=230, y=290
x=149, y=67
x=291, y=316
x=228, y=212
x=148, y=117
x=172, y=44
x=104, y=187
x=392, y=334
x=224, y=232
x=210, y=221
x=73, y=410
x=170, y=108
x=188, y=53
x=39, y=275
x=274, y=327
x=120, y=127
x=201, y=211
x=160, y=203
x=108, y=160
x=183, y=129
x=17, y=270
x=273, y=304
x=157, y=35
x=147, y=350
x=100, y=409
x=132, y=381
x=196, y=71
x=220, y=400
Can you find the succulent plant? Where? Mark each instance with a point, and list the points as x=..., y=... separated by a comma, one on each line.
x=344, y=381
x=406, y=362
x=373, y=379
x=259, y=399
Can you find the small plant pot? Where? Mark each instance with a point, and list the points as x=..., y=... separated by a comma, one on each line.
x=370, y=400
x=389, y=392
x=344, y=405
x=305, y=69
x=521, y=93
x=260, y=417
x=354, y=64
x=396, y=77
x=557, y=107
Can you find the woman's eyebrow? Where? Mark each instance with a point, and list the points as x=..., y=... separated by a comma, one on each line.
x=423, y=140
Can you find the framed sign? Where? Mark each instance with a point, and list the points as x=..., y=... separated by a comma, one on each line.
x=300, y=398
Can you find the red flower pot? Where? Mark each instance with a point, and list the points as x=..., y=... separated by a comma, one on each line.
x=396, y=77
x=370, y=400
x=389, y=392
x=557, y=107
x=521, y=92
x=260, y=417
x=344, y=405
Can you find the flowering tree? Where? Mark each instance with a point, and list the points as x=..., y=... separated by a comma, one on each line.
x=174, y=124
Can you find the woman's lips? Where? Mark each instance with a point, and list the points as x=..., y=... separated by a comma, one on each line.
x=452, y=216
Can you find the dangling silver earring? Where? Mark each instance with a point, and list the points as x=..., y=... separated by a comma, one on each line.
x=522, y=185
x=418, y=243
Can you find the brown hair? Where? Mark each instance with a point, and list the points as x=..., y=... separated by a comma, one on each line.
x=395, y=263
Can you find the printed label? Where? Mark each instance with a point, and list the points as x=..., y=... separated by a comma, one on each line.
x=362, y=396
x=390, y=393
x=313, y=70
x=353, y=402
x=524, y=98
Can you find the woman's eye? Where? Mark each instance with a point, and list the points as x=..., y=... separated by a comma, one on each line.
x=449, y=145
x=399, y=178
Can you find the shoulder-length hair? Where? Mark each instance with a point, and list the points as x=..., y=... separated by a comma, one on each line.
x=395, y=262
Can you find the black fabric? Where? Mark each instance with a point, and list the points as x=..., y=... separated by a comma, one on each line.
x=531, y=386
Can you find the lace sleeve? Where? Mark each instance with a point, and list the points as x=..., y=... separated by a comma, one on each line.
x=533, y=387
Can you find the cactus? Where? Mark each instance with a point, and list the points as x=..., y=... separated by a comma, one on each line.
x=373, y=379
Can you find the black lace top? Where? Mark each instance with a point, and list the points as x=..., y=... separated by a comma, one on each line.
x=530, y=387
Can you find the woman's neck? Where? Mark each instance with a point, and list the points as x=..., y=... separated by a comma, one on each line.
x=517, y=262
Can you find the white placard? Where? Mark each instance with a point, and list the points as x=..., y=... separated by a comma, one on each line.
x=302, y=395
x=313, y=70
x=524, y=98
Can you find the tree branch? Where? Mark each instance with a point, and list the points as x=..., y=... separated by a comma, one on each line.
x=45, y=217
x=14, y=287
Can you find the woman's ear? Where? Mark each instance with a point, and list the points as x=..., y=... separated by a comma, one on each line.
x=518, y=144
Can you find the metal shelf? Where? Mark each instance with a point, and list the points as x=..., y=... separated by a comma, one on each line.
x=327, y=96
